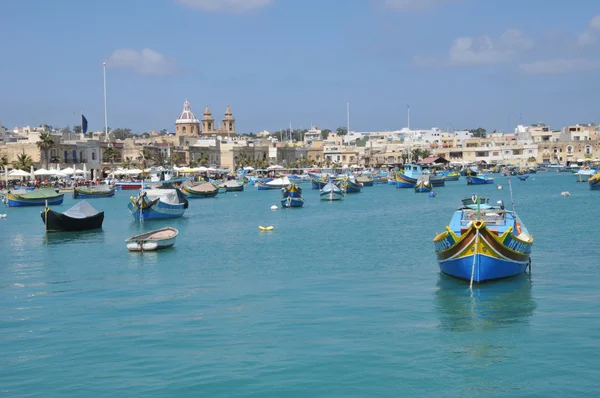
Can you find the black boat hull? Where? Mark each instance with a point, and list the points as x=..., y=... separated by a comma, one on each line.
x=58, y=222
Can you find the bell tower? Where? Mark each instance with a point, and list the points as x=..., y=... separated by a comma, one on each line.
x=208, y=122
x=229, y=122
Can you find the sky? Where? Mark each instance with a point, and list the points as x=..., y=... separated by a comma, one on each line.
x=457, y=63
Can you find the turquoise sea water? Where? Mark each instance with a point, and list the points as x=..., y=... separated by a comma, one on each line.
x=341, y=299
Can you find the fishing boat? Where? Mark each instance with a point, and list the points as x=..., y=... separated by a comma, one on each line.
x=200, y=190
x=365, y=181
x=451, y=175
x=350, y=186
x=232, y=186
x=523, y=177
x=37, y=197
x=423, y=186
x=479, y=179
x=292, y=196
x=94, y=191
x=331, y=192
x=128, y=185
x=318, y=183
x=584, y=174
x=409, y=176
x=158, y=203
x=594, y=181
x=483, y=242
x=153, y=240
x=277, y=183
x=81, y=217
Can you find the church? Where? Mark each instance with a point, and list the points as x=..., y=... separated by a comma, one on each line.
x=188, y=125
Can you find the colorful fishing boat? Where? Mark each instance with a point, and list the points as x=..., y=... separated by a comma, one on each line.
x=158, y=203
x=128, y=185
x=584, y=174
x=451, y=176
x=408, y=178
x=483, y=242
x=81, y=217
x=350, y=186
x=365, y=181
x=292, y=196
x=331, y=192
x=199, y=190
x=318, y=183
x=423, y=186
x=37, y=197
x=594, y=181
x=479, y=179
x=277, y=183
x=154, y=240
x=522, y=177
x=93, y=191
x=232, y=186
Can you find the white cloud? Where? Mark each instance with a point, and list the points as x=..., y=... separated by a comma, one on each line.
x=415, y=5
x=591, y=33
x=234, y=6
x=483, y=50
x=144, y=62
x=559, y=66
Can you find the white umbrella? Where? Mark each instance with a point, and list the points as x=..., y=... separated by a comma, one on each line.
x=202, y=168
x=18, y=173
x=275, y=167
x=68, y=171
x=79, y=171
x=248, y=168
x=133, y=171
x=31, y=175
x=42, y=172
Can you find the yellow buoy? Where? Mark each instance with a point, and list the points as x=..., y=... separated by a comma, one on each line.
x=269, y=228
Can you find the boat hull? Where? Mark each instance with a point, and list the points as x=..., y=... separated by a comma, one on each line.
x=84, y=194
x=422, y=187
x=594, y=182
x=128, y=186
x=58, y=222
x=16, y=201
x=150, y=245
x=158, y=210
x=193, y=194
x=482, y=255
x=471, y=180
x=291, y=202
x=352, y=187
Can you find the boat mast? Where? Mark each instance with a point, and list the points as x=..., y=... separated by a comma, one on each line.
x=105, y=114
x=347, y=117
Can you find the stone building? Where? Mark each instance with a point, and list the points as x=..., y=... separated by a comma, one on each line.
x=187, y=124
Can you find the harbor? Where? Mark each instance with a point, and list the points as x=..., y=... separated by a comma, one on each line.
x=231, y=307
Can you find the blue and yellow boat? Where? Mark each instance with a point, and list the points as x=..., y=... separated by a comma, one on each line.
x=423, y=186
x=37, y=197
x=479, y=179
x=408, y=178
x=292, y=196
x=350, y=186
x=483, y=242
x=594, y=181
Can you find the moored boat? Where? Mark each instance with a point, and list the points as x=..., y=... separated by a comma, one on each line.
x=200, y=190
x=365, y=181
x=37, y=197
x=158, y=203
x=232, y=186
x=423, y=186
x=409, y=176
x=153, y=240
x=128, y=185
x=350, y=186
x=331, y=192
x=479, y=179
x=81, y=217
x=274, y=184
x=483, y=242
x=523, y=177
x=584, y=174
x=292, y=196
x=94, y=191
x=594, y=181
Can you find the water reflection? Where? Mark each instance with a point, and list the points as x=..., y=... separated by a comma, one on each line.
x=491, y=305
x=83, y=237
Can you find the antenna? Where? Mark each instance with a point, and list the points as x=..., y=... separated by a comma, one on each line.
x=347, y=117
x=408, y=111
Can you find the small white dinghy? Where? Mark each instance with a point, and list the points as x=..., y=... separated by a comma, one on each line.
x=153, y=240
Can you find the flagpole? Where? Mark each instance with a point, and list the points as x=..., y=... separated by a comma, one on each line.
x=105, y=114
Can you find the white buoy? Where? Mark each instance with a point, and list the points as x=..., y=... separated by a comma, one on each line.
x=499, y=186
x=565, y=193
x=274, y=207
x=2, y=215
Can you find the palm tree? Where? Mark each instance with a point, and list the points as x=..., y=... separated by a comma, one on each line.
x=405, y=156
x=176, y=158
x=425, y=153
x=128, y=163
x=4, y=161
x=159, y=158
x=203, y=160
x=110, y=155
x=416, y=155
x=23, y=162
x=45, y=144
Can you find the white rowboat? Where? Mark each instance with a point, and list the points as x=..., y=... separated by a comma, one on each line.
x=153, y=240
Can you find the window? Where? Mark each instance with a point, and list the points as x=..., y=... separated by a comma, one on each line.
x=93, y=155
x=588, y=149
x=66, y=156
x=569, y=149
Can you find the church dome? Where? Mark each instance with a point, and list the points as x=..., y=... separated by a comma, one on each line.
x=187, y=116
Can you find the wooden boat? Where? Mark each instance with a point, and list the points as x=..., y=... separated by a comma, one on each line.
x=277, y=183
x=594, y=181
x=292, y=196
x=523, y=177
x=331, y=192
x=408, y=178
x=94, y=191
x=153, y=240
x=423, y=186
x=128, y=185
x=584, y=174
x=317, y=183
x=365, y=181
x=37, y=197
x=452, y=176
x=479, y=179
x=483, y=242
x=81, y=217
x=200, y=190
x=158, y=203
x=350, y=186
x=232, y=186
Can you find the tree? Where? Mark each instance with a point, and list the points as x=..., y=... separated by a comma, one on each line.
x=159, y=158
x=110, y=155
x=478, y=132
x=415, y=155
x=66, y=130
x=163, y=132
x=425, y=153
x=4, y=161
x=177, y=157
x=325, y=133
x=121, y=133
x=45, y=144
x=128, y=163
x=23, y=162
x=405, y=156
x=77, y=129
x=342, y=130
x=203, y=160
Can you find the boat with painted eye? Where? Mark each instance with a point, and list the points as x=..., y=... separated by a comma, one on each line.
x=81, y=217
x=479, y=179
x=411, y=173
x=94, y=191
x=594, y=181
x=292, y=196
x=483, y=242
x=154, y=240
x=158, y=203
x=199, y=190
x=423, y=186
x=331, y=192
x=37, y=197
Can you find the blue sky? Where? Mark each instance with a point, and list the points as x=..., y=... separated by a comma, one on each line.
x=458, y=63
